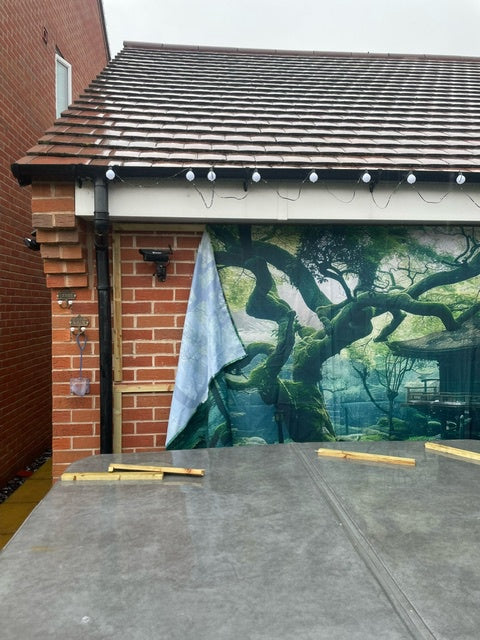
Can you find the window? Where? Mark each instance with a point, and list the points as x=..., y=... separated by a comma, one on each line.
x=63, y=84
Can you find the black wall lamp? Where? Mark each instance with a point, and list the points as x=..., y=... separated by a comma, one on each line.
x=161, y=258
x=31, y=242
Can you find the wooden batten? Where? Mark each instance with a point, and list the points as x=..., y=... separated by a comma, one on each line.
x=366, y=457
x=184, y=471
x=106, y=476
x=453, y=451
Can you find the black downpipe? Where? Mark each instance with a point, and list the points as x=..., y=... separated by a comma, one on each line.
x=101, y=231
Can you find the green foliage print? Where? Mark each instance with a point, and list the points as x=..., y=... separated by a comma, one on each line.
x=303, y=296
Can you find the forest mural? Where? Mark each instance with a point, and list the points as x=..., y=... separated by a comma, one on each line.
x=349, y=332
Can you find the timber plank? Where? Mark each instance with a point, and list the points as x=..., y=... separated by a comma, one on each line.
x=154, y=469
x=459, y=453
x=368, y=457
x=106, y=476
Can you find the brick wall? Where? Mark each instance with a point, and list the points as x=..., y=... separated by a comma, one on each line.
x=151, y=316
x=68, y=254
x=30, y=32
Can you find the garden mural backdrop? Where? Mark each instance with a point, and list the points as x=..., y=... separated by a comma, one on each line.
x=330, y=332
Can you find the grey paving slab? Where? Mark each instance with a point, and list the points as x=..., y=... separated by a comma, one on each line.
x=423, y=525
x=272, y=543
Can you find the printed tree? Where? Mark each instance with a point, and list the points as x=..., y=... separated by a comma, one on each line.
x=389, y=374
x=360, y=281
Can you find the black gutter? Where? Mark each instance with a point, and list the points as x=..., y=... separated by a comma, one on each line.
x=25, y=172
x=101, y=232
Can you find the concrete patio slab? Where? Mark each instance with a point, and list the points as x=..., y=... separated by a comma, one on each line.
x=273, y=542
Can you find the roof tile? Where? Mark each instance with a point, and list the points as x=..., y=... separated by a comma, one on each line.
x=171, y=106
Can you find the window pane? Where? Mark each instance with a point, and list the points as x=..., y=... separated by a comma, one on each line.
x=63, y=85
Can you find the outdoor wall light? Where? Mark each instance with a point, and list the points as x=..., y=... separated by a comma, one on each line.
x=366, y=177
x=460, y=179
x=161, y=258
x=31, y=243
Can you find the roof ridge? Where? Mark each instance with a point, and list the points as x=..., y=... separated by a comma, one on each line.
x=132, y=44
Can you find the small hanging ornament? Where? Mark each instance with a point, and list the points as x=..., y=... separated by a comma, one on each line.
x=80, y=386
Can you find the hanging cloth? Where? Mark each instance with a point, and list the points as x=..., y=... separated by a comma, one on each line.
x=209, y=342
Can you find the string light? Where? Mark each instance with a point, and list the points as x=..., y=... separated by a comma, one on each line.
x=208, y=205
x=384, y=206
x=411, y=178
x=312, y=176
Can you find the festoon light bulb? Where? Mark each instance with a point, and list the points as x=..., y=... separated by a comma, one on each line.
x=313, y=177
x=256, y=177
x=190, y=176
x=411, y=178
x=366, y=177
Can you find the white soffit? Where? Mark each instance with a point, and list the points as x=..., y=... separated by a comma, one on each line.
x=227, y=201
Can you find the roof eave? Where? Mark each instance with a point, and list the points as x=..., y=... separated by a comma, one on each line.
x=26, y=171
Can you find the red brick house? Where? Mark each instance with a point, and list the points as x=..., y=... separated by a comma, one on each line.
x=49, y=51
x=397, y=132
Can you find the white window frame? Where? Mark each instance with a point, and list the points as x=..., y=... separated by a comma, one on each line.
x=59, y=91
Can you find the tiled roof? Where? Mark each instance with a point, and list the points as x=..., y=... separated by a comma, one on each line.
x=440, y=343
x=162, y=107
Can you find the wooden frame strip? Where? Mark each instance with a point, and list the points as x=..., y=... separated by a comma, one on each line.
x=366, y=457
x=155, y=387
x=153, y=469
x=117, y=420
x=118, y=391
x=105, y=476
x=453, y=451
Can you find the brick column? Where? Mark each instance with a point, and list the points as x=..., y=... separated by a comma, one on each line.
x=68, y=264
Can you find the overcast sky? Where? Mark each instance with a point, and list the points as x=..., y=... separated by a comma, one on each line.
x=447, y=27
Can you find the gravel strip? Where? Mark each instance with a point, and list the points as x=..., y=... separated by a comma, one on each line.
x=17, y=481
